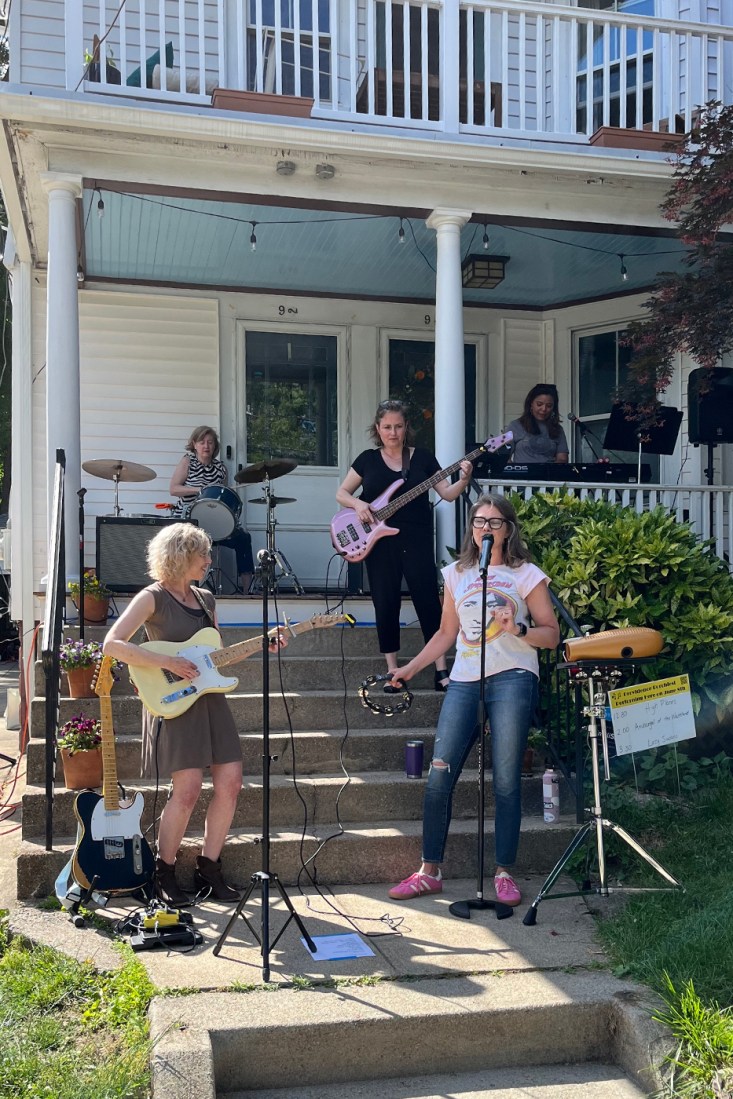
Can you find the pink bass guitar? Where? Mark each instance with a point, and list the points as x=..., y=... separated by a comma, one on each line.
x=354, y=540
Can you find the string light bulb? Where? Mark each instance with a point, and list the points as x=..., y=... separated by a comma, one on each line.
x=485, y=239
x=253, y=238
x=624, y=272
x=401, y=233
x=100, y=207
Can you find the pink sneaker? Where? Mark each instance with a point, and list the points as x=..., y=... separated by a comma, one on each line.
x=506, y=889
x=417, y=885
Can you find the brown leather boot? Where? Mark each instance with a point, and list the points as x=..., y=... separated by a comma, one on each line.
x=210, y=883
x=166, y=887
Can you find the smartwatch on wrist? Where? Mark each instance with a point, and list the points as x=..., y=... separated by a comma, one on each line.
x=522, y=629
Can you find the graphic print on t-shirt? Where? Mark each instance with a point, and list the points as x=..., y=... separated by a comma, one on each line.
x=498, y=594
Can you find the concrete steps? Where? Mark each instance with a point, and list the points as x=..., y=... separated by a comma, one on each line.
x=379, y=809
x=375, y=851
x=583, y=1081
x=507, y=1029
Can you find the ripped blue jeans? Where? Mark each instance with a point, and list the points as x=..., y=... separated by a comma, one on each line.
x=511, y=698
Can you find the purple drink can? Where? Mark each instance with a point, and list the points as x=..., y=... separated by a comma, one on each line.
x=414, y=758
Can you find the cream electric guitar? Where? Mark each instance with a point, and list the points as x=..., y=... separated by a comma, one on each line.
x=165, y=695
x=354, y=539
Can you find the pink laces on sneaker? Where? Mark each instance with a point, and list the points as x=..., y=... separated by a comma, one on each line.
x=417, y=885
x=506, y=889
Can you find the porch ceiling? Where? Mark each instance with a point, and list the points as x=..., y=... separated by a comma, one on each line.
x=194, y=241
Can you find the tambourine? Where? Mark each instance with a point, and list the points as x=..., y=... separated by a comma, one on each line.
x=389, y=709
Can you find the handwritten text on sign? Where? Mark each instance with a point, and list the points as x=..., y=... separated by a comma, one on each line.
x=651, y=714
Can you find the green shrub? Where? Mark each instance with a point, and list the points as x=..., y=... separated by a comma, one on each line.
x=614, y=568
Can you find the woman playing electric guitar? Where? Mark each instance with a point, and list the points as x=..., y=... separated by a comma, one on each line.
x=174, y=608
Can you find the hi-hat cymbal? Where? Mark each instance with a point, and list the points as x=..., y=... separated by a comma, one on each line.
x=274, y=500
x=115, y=469
x=272, y=468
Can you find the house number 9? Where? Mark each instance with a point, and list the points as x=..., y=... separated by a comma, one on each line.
x=428, y=319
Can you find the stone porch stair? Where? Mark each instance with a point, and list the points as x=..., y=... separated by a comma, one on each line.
x=379, y=809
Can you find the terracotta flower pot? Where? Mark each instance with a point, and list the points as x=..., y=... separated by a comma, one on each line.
x=95, y=610
x=82, y=770
x=80, y=681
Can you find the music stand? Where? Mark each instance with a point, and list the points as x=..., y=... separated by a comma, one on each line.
x=623, y=432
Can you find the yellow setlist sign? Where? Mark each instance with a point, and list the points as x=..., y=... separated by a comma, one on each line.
x=648, y=715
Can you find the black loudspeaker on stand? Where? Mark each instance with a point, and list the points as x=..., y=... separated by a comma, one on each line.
x=264, y=879
x=710, y=404
x=463, y=909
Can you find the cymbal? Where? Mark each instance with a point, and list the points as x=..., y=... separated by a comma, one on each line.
x=275, y=500
x=115, y=469
x=272, y=468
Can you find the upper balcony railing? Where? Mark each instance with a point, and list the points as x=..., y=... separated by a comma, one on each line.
x=498, y=67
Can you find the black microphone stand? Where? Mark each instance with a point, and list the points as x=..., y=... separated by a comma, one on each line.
x=263, y=879
x=463, y=909
x=589, y=437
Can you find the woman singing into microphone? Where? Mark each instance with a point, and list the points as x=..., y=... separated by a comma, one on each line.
x=520, y=620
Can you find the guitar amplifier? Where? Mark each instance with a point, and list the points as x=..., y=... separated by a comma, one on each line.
x=122, y=544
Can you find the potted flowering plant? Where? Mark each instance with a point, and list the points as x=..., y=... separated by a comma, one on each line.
x=79, y=660
x=96, y=597
x=79, y=742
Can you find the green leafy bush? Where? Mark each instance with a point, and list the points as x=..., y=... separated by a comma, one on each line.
x=614, y=568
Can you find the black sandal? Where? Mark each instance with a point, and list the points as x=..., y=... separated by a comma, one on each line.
x=442, y=679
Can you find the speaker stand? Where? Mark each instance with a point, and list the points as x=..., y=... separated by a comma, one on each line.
x=709, y=472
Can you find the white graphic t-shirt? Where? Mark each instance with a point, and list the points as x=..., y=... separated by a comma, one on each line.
x=503, y=651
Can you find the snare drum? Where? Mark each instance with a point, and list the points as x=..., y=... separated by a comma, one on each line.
x=216, y=510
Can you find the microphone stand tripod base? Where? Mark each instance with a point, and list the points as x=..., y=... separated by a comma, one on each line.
x=463, y=909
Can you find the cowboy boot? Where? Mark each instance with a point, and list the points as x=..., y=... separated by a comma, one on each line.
x=166, y=887
x=209, y=881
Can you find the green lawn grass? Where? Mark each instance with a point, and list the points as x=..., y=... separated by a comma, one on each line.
x=682, y=943
x=67, y=1031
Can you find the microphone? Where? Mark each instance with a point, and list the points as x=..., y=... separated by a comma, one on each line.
x=486, y=544
x=578, y=423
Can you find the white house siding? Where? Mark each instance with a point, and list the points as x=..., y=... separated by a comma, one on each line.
x=149, y=374
x=42, y=52
x=523, y=362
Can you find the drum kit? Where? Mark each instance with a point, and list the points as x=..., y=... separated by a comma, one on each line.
x=217, y=508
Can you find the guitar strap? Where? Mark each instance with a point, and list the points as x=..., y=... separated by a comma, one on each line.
x=202, y=601
x=405, y=462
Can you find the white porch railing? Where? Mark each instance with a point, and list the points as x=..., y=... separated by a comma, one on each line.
x=497, y=66
x=707, y=508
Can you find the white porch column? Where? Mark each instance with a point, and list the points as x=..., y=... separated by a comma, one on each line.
x=449, y=370
x=63, y=413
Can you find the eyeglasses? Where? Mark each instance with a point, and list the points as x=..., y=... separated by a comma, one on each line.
x=478, y=522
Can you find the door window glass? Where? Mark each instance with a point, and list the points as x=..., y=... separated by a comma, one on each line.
x=412, y=379
x=291, y=397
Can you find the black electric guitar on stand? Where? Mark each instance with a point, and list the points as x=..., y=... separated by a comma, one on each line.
x=111, y=856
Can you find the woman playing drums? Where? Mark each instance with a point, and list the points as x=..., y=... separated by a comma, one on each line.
x=199, y=469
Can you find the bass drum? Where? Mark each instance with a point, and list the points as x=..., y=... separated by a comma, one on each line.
x=216, y=510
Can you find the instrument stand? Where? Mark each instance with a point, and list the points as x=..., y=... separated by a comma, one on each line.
x=600, y=676
x=463, y=909
x=217, y=575
x=279, y=560
x=263, y=879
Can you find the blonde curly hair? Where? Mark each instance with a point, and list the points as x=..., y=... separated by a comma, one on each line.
x=174, y=548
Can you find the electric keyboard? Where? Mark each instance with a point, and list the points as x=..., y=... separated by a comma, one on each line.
x=591, y=472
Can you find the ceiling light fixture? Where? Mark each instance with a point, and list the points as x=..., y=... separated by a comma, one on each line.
x=325, y=171
x=285, y=167
x=483, y=272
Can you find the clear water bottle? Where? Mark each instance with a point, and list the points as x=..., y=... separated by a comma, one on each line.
x=551, y=795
